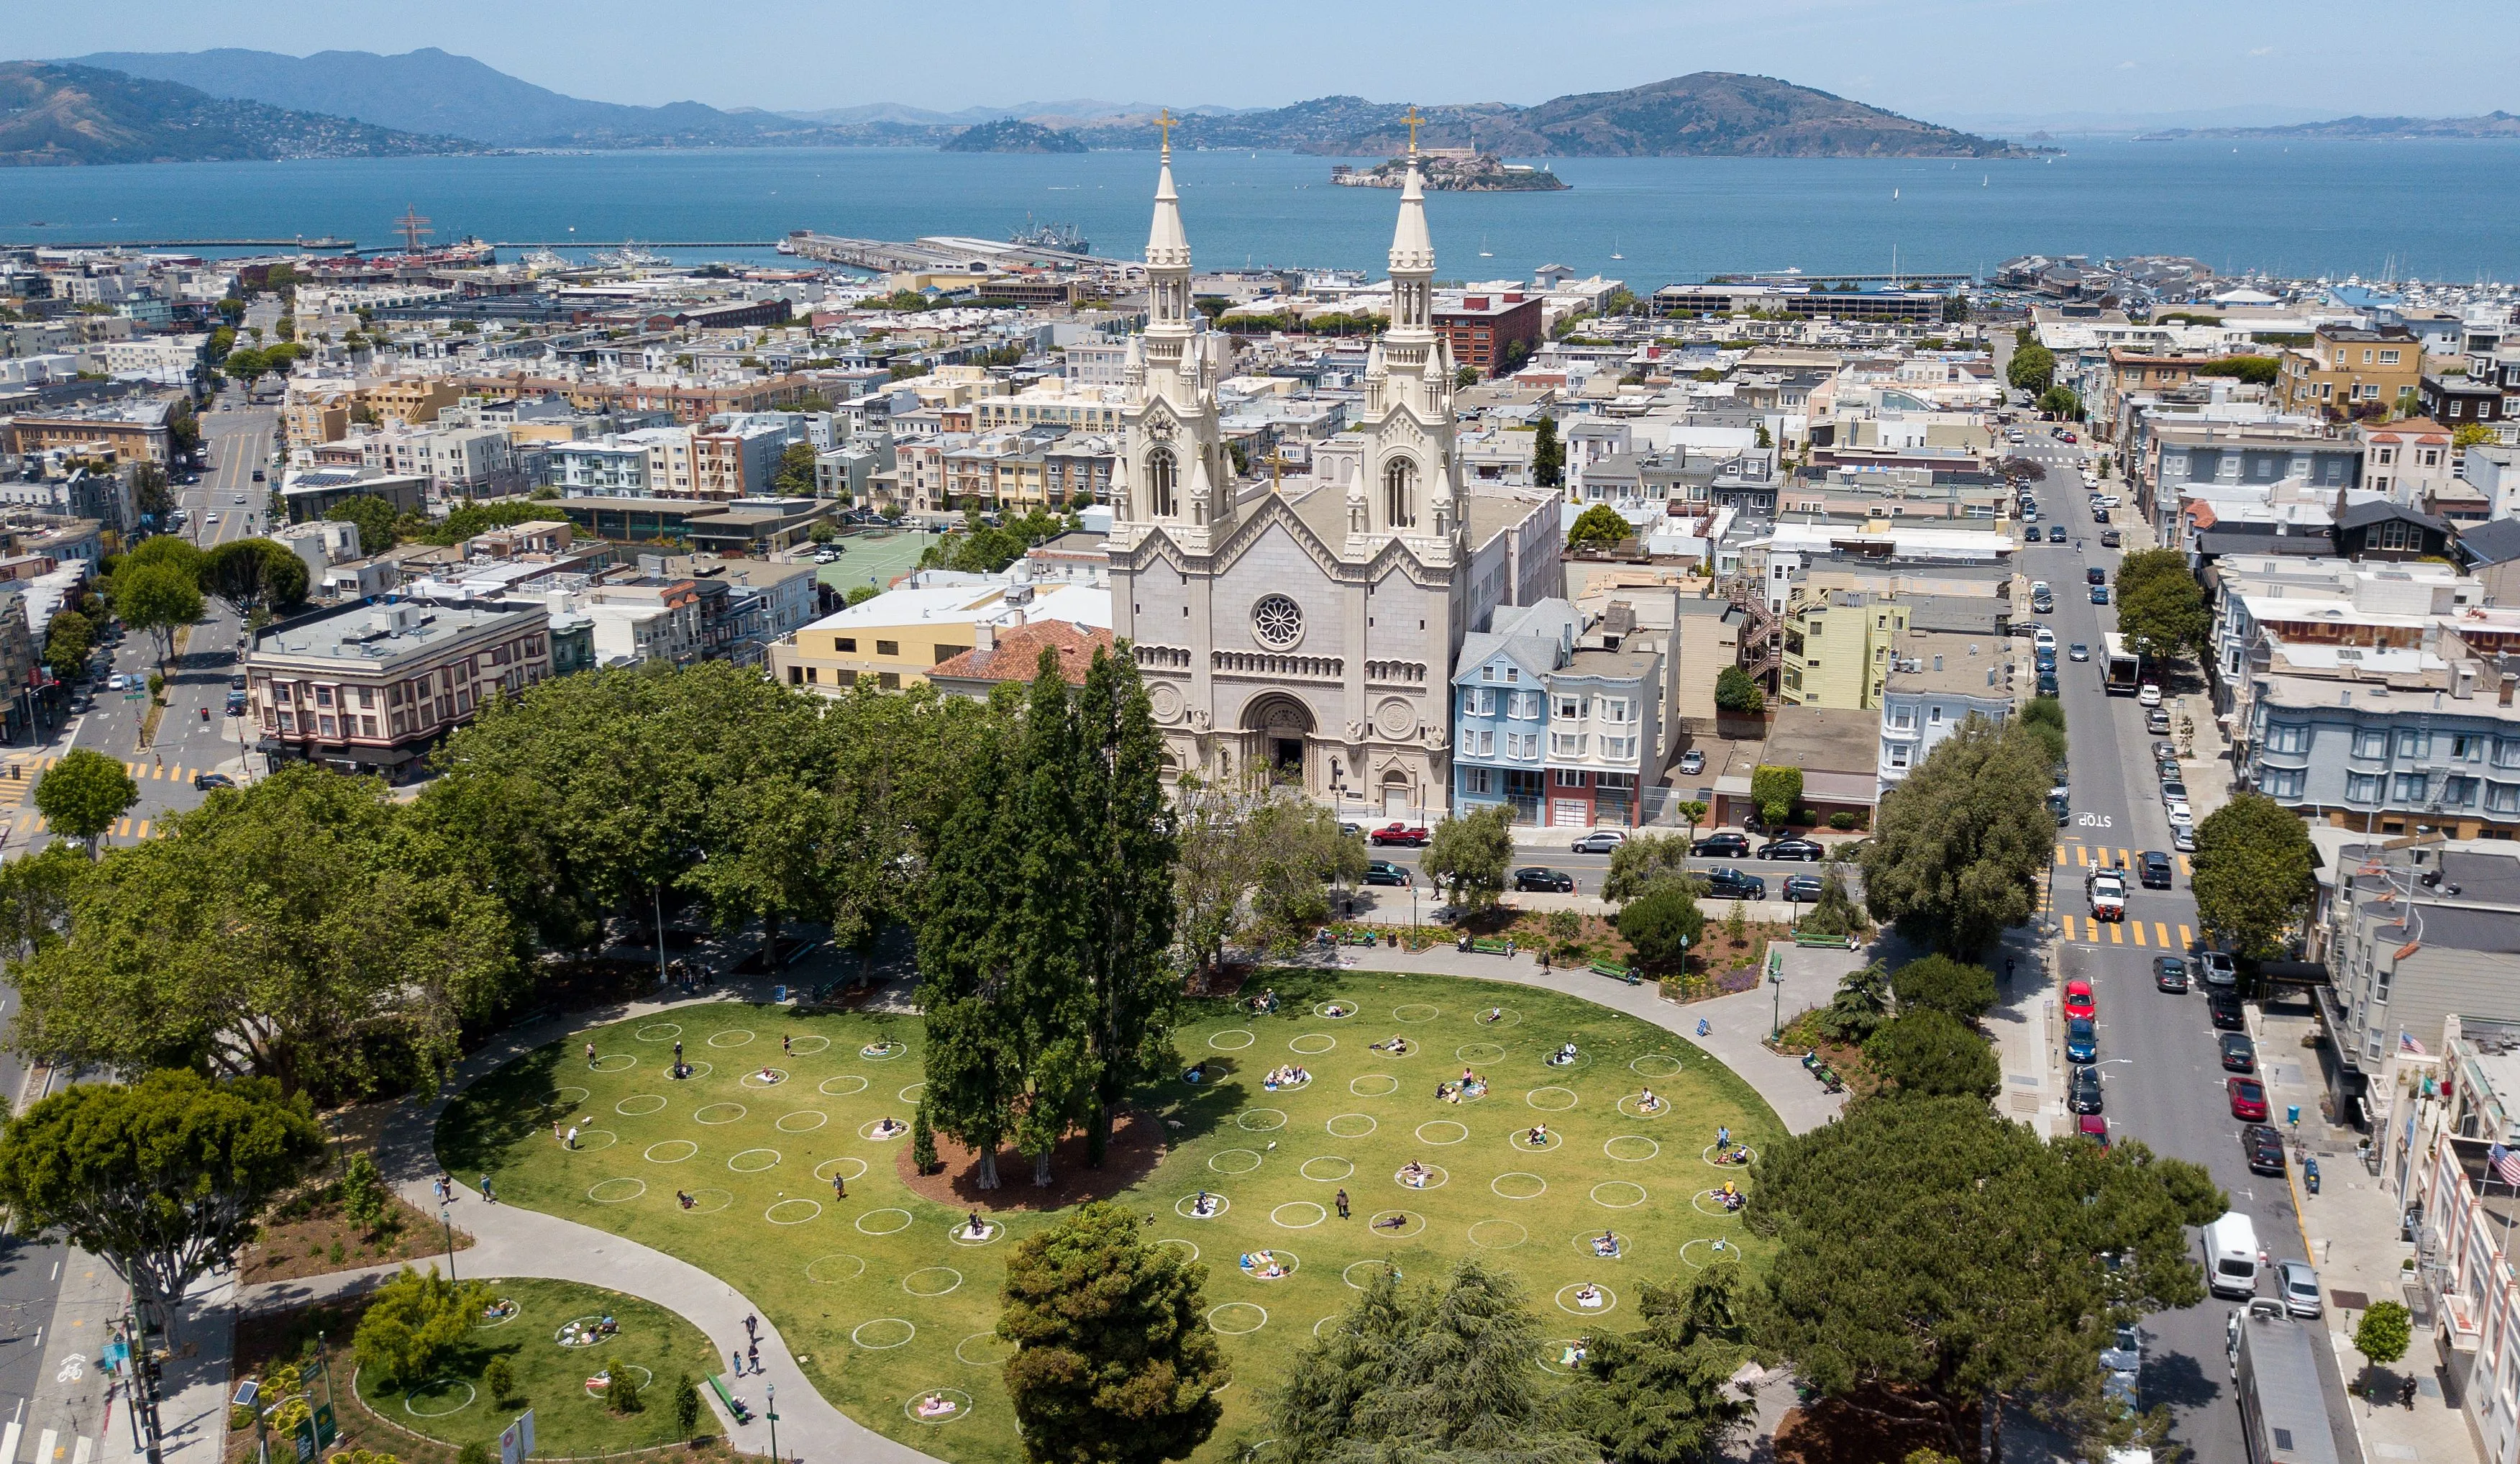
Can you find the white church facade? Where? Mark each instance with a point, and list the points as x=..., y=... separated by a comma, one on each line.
x=1307, y=634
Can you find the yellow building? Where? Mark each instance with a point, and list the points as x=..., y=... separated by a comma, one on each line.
x=311, y=419
x=897, y=637
x=1838, y=647
x=2344, y=368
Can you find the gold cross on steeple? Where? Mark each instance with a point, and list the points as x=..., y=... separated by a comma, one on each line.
x=1413, y=120
x=1164, y=121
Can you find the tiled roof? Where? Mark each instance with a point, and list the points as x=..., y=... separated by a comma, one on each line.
x=1016, y=654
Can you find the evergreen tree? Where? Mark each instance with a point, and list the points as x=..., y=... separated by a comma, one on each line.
x=1051, y=998
x=1131, y=850
x=967, y=941
x=922, y=1141
x=1662, y=1395
x=1547, y=454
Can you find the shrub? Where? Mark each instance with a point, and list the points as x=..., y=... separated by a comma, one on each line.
x=687, y=1406
x=364, y=1198
x=1842, y=820
x=1662, y=924
x=501, y=1379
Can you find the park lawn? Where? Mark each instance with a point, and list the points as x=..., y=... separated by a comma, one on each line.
x=651, y=1349
x=884, y=1305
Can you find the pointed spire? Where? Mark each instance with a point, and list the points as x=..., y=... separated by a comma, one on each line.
x=1413, y=248
x=1167, y=244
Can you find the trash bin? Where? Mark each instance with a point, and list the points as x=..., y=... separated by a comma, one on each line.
x=778, y=993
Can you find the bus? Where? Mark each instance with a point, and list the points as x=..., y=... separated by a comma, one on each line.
x=2120, y=668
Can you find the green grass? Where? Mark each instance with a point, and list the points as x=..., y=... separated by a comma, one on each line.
x=888, y=1311
x=880, y=561
x=653, y=1347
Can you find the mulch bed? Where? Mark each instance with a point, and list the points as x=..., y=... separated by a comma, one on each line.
x=1137, y=1146
x=304, y=1245
x=1846, y=1430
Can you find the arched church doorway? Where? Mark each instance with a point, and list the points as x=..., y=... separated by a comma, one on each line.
x=1280, y=729
x=1397, y=797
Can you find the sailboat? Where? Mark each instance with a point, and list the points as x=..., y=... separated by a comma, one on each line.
x=1614, y=247
x=1484, y=251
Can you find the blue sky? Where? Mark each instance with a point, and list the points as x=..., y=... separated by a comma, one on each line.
x=1938, y=58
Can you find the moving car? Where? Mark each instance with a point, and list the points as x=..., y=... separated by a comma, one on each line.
x=116, y=682
x=2094, y=1128
x=2083, y=1090
x=2100, y=515
x=2082, y=1040
x=1415, y=836
x=257, y=478
x=2112, y=539
x=2248, y=1098
x=2239, y=1054
x=1692, y=762
x=1599, y=842
x=1733, y=883
x=2298, y=1284
x=2094, y=575
x=1385, y=872
x=2099, y=594
x=2107, y=890
x=213, y=780
x=2152, y=869
x=1793, y=849
x=2078, y=999
x=1722, y=846
x=2078, y=651
x=2224, y=1010
x=2056, y=533
x=1802, y=889
x=2169, y=973
x=1545, y=881
x=2264, y=1149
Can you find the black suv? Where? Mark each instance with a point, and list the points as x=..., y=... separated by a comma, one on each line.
x=2083, y=1090
x=2239, y=1054
x=2265, y=1148
x=1545, y=881
x=1733, y=883
x=2152, y=867
x=1722, y=846
x=2225, y=1008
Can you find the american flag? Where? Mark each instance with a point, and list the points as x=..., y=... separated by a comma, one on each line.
x=2406, y=1043
x=2505, y=1163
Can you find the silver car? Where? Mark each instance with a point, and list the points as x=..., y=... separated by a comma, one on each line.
x=2299, y=1286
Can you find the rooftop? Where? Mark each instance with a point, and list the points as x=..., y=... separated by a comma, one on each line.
x=369, y=633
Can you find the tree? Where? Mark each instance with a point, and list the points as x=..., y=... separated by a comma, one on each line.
x=1663, y=925
x=923, y=1140
x=1859, y=1005
x=2032, y=367
x=69, y=638
x=1547, y=454
x=1114, y=1362
x=1292, y=849
x=1130, y=846
x=2473, y=435
x=1928, y=1053
x=500, y=1378
x=1471, y=853
x=1663, y=1393
x=1737, y=691
x=375, y=517
x=687, y=1407
x=2044, y=717
x=2383, y=1333
x=162, y=1177
x=1958, y=990
x=966, y=946
x=1693, y=812
x=1869, y=1294
x=251, y=574
x=2062, y=402
x=1763, y=439
x=156, y=598
x=1835, y=912
x=1601, y=526
x=83, y=794
x=365, y=1199
x=2253, y=879
x=150, y=495
x=2161, y=611
x=1641, y=862
x=1960, y=846
x=413, y=1322
x=246, y=363
x=1440, y=1373
x=1776, y=790
x=1465, y=377
x=794, y=476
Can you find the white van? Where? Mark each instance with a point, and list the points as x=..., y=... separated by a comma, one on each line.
x=2232, y=1255
x=2042, y=638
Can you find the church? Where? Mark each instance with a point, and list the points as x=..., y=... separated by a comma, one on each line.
x=1305, y=634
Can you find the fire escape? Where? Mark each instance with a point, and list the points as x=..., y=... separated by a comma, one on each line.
x=1763, y=639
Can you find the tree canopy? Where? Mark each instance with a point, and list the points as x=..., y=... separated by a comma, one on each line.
x=1663, y=1393
x=1928, y=1053
x=1600, y=526
x=1663, y=924
x=2032, y=367
x=379, y=524
x=1469, y=854
x=1737, y=691
x=84, y=792
x=1960, y=844
x=2161, y=608
x=2253, y=877
x=1646, y=860
x=415, y=1320
x=156, y=598
x=1957, y=988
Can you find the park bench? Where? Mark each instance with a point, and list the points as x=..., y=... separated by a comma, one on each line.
x=1616, y=971
x=1822, y=941
x=1359, y=937
x=734, y=1409
x=1487, y=945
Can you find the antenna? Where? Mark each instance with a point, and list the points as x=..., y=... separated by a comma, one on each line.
x=414, y=227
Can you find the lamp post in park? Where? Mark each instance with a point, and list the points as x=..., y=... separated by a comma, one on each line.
x=772, y=1413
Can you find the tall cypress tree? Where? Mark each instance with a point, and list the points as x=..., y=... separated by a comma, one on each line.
x=966, y=945
x=1130, y=851
x=1051, y=996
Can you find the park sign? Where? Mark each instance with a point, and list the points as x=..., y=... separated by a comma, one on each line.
x=517, y=1444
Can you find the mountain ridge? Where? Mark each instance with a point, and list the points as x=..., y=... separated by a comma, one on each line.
x=55, y=115
x=2495, y=123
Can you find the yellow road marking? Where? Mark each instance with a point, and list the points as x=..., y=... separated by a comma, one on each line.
x=2138, y=931
x=2117, y=934
x=2185, y=938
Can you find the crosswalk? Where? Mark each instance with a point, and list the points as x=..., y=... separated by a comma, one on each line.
x=20, y=820
x=2086, y=928
x=2090, y=857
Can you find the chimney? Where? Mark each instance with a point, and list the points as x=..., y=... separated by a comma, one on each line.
x=984, y=637
x=2508, y=682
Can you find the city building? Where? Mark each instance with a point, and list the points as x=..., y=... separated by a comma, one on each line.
x=2345, y=368
x=1837, y=648
x=1501, y=705
x=898, y=637
x=373, y=688
x=1494, y=333
x=1936, y=682
x=134, y=431
x=998, y=656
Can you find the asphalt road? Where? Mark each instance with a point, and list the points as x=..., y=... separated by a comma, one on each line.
x=2161, y=1079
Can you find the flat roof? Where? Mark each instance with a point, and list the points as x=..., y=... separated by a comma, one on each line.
x=348, y=634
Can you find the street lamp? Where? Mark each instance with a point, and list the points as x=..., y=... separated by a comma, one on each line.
x=449, y=1226
x=771, y=1390
x=1776, y=1002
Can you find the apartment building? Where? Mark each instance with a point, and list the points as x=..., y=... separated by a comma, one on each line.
x=2264, y=462
x=2345, y=368
x=2384, y=740
x=135, y=430
x=1935, y=682
x=1837, y=648
x=1058, y=404
x=373, y=688
x=897, y=637
x=2411, y=936
x=736, y=460
x=1501, y=707
x=1492, y=332
x=2454, y=1113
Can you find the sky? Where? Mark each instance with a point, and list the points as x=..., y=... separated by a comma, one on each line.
x=1942, y=60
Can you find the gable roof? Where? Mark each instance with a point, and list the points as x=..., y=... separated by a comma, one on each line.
x=2376, y=511
x=2493, y=542
x=1016, y=654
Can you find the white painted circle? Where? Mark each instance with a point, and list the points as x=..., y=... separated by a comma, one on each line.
x=1633, y=1106
x=754, y=1080
x=962, y=1408
x=1706, y=1203
x=1217, y=1163
x=1265, y=1115
x=1584, y=1242
x=1412, y=1224
x=1346, y=1168
x=796, y=1045
x=1507, y=1017
x=733, y=1036
x=1707, y=1154
x=1290, y=1215
x=816, y=1271
x=1351, y=1131
x=1521, y=1141
x=1217, y=1040
x=702, y=1204
x=1566, y=1300
x=911, y=1093
x=511, y=1314
x=883, y=1052
x=856, y=1334
x=736, y=1162
x=1286, y=1259
x=1553, y=1105
x=1479, y=1052
x=739, y=1112
x=865, y=1229
x=1494, y=1238
x=659, y=1032
x=787, y=1121
x=872, y=1129
x=1185, y=1245
x=828, y=1167
x=607, y=1191
x=1421, y=1010
x=1237, y=1311
x=1446, y=1132
x=699, y=1069
x=1657, y=1065
x=615, y=1061
x=1437, y=1174
x=952, y=1280
x=1715, y=1251
x=960, y=1233
x=830, y=1087
x=1374, y=1086
x=1618, y=1189
x=1348, y=1272
x=560, y=1095
x=1500, y=1189
x=1217, y=1204
x=1324, y=1041
x=1333, y=1011
x=812, y=1207
x=624, y=1109
x=470, y=1395
x=1620, y=1148
x=585, y=1137
x=996, y=1361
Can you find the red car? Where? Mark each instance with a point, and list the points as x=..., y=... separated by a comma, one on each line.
x=1399, y=833
x=2078, y=1001
x=2094, y=1128
x=2248, y=1098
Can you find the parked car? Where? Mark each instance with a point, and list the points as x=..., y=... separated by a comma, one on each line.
x=2181, y=815
x=2048, y=683
x=2219, y=969
x=2224, y=1009
x=2152, y=869
x=1692, y=762
x=2173, y=792
x=1802, y=889
x=2239, y=1054
x=116, y=682
x=1733, y=883
x=237, y=682
x=2183, y=839
x=2062, y=808
x=2148, y=694
x=2264, y=1149
x=2100, y=515
x=1722, y=846
x=2298, y=1283
x=1534, y=877
x=2157, y=721
x=2083, y=1090
x=2094, y=1128
x=2248, y=1098
x=1793, y=849
x=1413, y=835
x=213, y=780
x=2078, y=1001
x=1599, y=842
x=2082, y=1040
x=2112, y=539
x=1385, y=872
x=2168, y=973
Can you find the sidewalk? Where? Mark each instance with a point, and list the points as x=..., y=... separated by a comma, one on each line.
x=2350, y=1231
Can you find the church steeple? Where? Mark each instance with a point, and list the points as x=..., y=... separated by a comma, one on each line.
x=1413, y=253
x=1408, y=384
x=1168, y=251
x=1177, y=473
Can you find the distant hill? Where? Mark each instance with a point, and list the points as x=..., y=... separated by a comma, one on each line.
x=2374, y=128
x=58, y=114
x=1012, y=137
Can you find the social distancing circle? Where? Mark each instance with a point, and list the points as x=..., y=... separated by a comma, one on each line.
x=1416, y=1011
x=1311, y=1043
x=796, y=1045
x=919, y=1407
x=1218, y=1040
x=847, y=1086
x=888, y=1220
x=1297, y=1215
x=931, y=1281
x=592, y=1139
x=802, y=1120
x=993, y=1351
x=752, y=1160
x=734, y=1036
x=562, y=1099
x=1433, y=1176
x=644, y=1104
x=792, y=1212
x=719, y=1113
x=1237, y=1318
x=1374, y=1086
x=1497, y=1235
x=1479, y=1052
x=1574, y=1299
x=1395, y=1224
x=1521, y=1141
x=1189, y=1206
x=1630, y=1148
x=1656, y=1065
x=1441, y=1132
x=710, y=1201
x=1327, y=1168
x=1634, y=1106
x=835, y=1268
x=469, y=1396
x=1261, y=1120
x=882, y=1334
x=848, y=1167
x=1233, y=1162
x=1618, y=1194
x=1518, y=1184
x=618, y=1191
x=1552, y=1099
x=1351, y=1125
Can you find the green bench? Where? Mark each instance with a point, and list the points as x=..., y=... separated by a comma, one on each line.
x=1489, y=945
x=1827, y=942
x=1616, y=971
x=734, y=1409
x=1360, y=937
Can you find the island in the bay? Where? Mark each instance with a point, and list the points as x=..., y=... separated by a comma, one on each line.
x=1453, y=171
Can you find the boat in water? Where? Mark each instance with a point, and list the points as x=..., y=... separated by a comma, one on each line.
x=1061, y=237
x=631, y=257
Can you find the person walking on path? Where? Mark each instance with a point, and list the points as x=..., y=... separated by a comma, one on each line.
x=787, y=1047
x=678, y=1049
x=751, y=1326
x=590, y=1054
x=734, y=1361
x=487, y=1196
x=1342, y=1204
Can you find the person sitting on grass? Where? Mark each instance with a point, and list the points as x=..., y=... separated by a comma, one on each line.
x=1537, y=1136
x=1398, y=1046
x=770, y=1075
x=1647, y=1103
x=887, y=1126
x=1606, y=1245
x=684, y=1198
